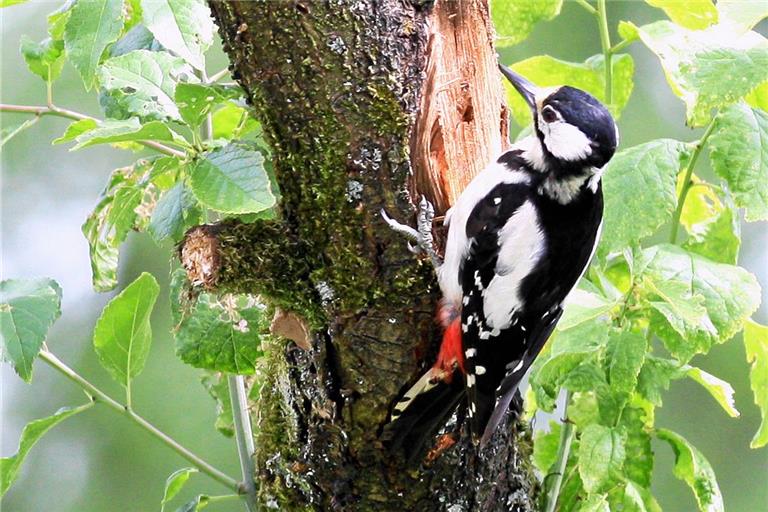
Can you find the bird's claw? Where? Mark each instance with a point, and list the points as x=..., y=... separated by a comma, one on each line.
x=420, y=239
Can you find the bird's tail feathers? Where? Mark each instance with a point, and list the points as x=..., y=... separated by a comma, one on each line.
x=424, y=408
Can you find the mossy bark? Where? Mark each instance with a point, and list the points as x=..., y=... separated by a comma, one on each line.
x=337, y=86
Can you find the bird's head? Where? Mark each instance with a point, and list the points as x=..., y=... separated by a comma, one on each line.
x=575, y=130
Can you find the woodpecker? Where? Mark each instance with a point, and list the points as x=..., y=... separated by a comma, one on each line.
x=520, y=236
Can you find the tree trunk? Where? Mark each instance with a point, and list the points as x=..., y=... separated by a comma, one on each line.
x=367, y=104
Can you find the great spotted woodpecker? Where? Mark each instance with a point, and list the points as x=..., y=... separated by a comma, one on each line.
x=519, y=238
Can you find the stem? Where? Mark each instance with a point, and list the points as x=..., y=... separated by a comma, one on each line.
x=243, y=437
x=586, y=6
x=563, y=451
x=687, y=181
x=77, y=116
x=49, y=88
x=620, y=46
x=605, y=42
x=207, y=128
x=217, y=76
x=223, y=497
x=100, y=396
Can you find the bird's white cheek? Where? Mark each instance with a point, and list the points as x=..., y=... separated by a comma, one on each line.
x=566, y=142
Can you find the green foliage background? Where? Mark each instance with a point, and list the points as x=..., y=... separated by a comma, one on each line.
x=98, y=462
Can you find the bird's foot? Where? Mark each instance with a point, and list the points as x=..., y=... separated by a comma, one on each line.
x=419, y=239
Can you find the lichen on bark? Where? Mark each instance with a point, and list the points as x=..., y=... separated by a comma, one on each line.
x=337, y=86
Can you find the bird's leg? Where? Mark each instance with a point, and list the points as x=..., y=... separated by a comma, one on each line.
x=422, y=234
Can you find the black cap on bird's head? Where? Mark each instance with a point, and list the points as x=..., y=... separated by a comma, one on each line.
x=574, y=128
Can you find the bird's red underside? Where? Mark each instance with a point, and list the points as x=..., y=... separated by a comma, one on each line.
x=451, y=352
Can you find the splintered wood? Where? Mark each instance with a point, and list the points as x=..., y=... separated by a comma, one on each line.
x=462, y=122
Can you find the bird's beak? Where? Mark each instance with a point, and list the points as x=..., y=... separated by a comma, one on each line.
x=526, y=89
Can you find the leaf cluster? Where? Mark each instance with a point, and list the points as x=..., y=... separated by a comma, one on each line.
x=645, y=310
x=199, y=157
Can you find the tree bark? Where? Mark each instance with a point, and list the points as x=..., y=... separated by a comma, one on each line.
x=366, y=104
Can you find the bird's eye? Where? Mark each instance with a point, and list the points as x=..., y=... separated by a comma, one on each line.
x=548, y=115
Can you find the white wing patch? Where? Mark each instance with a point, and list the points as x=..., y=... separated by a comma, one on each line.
x=521, y=244
x=456, y=246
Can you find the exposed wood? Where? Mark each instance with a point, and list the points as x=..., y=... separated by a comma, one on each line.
x=463, y=119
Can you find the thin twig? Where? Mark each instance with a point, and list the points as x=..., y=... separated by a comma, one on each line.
x=217, y=76
x=99, y=396
x=605, y=42
x=687, y=180
x=587, y=6
x=243, y=437
x=563, y=452
x=77, y=116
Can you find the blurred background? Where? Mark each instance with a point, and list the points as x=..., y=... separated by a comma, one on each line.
x=98, y=461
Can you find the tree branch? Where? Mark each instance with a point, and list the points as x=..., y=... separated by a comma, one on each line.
x=71, y=114
x=101, y=397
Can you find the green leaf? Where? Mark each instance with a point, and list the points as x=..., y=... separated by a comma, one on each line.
x=546, y=71
x=638, y=464
x=581, y=306
x=638, y=499
x=8, y=3
x=232, y=179
x=739, y=155
x=109, y=223
x=651, y=167
x=174, y=483
x=718, y=238
x=44, y=59
x=164, y=172
x=702, y=203
x=709, y=68
x=92, y=26
x=183, y=26
x=514, y=19
x=130, y=130
x=545, y=447
x=144, y=83
x=123, y=334
x=718, y=388
x=33, y=431
x=587, y=376
x=742, y=15
x=758, y=98
x=583, y=410
x=76, y=129
x=756, y=344
x=625, y=356
x=199, y=502
x=568, y=349
x=57, y=20
x=217, y=333
x=601, y=457
x=28, y=308
x=692, y=14
x=196, y=101
x=731, y=295
x=9, y=132
x=217, y=386
x=176, y=211
x=233, y=122
x=695, y=470
x=655, y=377
x=678, y=307
x=138, y=38
x=595, y=503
